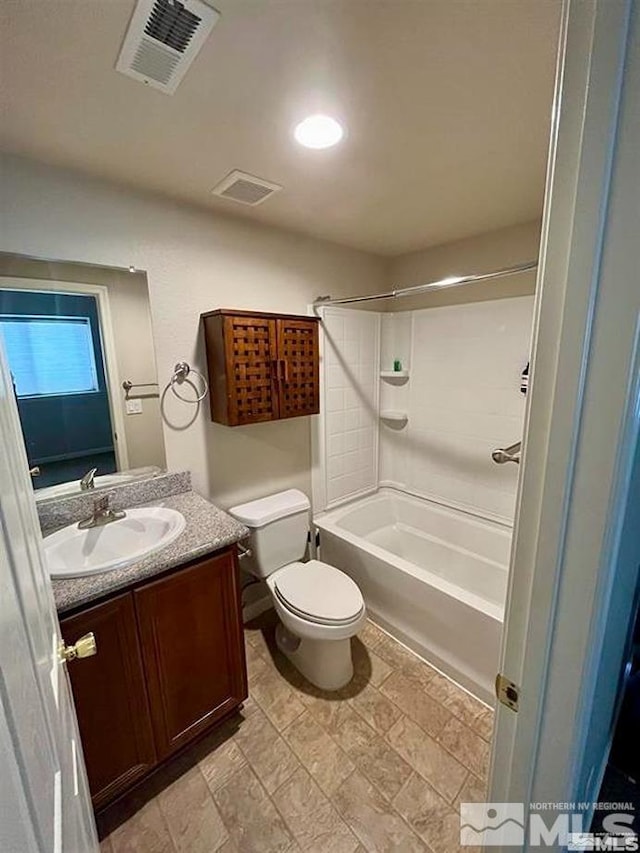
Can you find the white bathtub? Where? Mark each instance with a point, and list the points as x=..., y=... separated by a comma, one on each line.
x=434, y=577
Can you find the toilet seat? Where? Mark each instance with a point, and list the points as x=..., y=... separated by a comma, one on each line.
x=318, y=593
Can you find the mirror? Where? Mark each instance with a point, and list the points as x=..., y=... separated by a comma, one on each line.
x=73, y=333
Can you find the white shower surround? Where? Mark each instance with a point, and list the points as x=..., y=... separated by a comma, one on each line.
x=424, y=525
x=435, y=577
x=462, y=400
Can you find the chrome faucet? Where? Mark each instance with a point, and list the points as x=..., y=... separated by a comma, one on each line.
x=101, y=514
x=86, y=482
x=507, y=454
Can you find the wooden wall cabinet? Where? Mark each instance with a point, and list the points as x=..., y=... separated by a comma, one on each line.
x=262, y=367
x=170, y=665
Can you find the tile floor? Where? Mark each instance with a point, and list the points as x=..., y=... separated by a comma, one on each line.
x=380, y=766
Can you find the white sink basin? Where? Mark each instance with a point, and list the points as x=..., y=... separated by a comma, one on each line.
x=73, y=553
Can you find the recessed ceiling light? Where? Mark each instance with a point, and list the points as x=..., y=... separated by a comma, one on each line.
x=318, y=131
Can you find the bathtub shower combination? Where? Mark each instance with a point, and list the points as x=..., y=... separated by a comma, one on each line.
x=435, y=577
x=408, y=497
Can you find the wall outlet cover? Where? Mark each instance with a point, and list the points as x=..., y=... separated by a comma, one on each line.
x=134, y=407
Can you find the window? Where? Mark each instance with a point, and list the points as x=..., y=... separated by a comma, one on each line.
x=49, y=355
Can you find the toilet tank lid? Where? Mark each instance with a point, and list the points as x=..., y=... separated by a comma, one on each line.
x=265, y=510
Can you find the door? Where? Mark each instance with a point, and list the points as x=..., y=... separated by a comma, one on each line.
x=111, y=697
x=298, y=367
x=44, y=800
x=191, y=635
x=250, y=359
x=570, y=561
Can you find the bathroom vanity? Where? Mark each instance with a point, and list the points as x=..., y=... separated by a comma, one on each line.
x=169, y=664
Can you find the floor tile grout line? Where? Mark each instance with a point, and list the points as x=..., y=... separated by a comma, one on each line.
x=254, y=769
x=326, y=796
x=390, y=805
x=267, y=795
x=234, y=773
x=457, y=760
x=427, y=663
x=354, y=762
x=435, y=699
x=333, y=740
x=265, y=711
x=213, y=803
x=453, y=810
x=164, y=819
x=436, y=737
x=406, y=713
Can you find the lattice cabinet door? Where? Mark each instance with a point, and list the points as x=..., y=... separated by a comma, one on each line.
x=250, y=355
x=298, y=367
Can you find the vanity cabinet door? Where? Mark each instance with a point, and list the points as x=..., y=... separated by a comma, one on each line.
x=298, y=367
x=193, y=649
x=110, y=696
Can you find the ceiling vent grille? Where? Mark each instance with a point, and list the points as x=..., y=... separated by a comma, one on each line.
x=245, y=188
x=163, y=39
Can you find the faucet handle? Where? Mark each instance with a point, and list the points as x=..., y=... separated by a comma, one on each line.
x=101, y=504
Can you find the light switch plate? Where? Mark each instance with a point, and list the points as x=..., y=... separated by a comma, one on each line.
x=134, y=407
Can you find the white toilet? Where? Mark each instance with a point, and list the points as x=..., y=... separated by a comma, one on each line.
x=320, y=607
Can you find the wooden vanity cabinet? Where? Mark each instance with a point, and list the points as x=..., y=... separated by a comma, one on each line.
x=169, y=665
x=262, y=367
x=193, y=650
x=110, y=696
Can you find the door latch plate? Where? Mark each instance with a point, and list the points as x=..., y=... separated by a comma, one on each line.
x=507, y=692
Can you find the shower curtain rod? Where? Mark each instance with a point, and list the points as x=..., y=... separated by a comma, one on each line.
x=441, y=284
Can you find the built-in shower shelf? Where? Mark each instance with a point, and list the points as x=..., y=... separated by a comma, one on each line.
x=394, y=374
x=394, y=416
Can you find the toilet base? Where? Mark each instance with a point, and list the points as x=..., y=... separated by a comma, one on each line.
x=325, y=663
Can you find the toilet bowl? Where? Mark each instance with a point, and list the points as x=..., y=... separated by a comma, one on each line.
x=319, y=607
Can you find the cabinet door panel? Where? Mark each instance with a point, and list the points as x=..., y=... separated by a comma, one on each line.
x=250, y=355
x=191, y=636
x=299, y=384
x=111, y=699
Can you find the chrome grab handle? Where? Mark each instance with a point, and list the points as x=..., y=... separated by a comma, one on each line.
x=507, y=454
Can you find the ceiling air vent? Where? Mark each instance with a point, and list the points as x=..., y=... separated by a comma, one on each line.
x=163, y=39
x=245, y=188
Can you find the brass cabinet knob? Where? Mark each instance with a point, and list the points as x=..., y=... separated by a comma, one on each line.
x=85, y=647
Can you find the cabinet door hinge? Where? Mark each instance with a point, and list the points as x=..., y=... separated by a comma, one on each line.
x=507, y=692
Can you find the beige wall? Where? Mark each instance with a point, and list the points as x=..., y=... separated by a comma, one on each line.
x=133, y=333
x=484, y=253
x=195, y=261
x=133, y=339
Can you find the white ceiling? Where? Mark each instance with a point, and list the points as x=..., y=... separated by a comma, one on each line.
x=446, y=105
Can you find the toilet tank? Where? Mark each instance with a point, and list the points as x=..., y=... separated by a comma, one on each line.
x=279, y=526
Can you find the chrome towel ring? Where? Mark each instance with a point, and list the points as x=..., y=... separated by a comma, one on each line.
x=180, y=373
